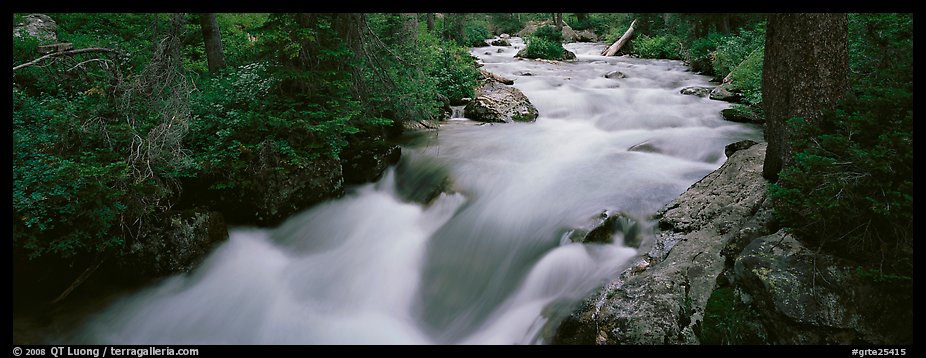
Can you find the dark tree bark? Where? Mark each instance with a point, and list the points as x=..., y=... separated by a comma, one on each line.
x=430, y=20
x=410, y=26
x=558, y=20
x=581, y=17
x=215, y=54
x=806, y=71
x=458, y=27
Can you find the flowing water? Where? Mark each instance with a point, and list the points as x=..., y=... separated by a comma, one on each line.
x=484, y=264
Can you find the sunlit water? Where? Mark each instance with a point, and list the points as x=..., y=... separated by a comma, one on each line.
x=485, y=264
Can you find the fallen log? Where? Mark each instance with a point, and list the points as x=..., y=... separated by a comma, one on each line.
x=616, y=46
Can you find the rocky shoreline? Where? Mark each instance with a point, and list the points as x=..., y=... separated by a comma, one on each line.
x=721, y=235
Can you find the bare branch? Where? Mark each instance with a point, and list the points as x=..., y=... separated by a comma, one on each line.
x=64, y=53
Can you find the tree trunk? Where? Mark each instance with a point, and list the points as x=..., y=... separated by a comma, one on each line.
x=558, y=20
x=458, y=28
x=806, y=71
x=430, y=19
x=215, y=54
x=581, y=17
x=616, y=46
x=410, y=27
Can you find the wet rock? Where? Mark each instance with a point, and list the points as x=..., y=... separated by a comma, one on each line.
x=500, y=50
x=808, y=297
x=523, y=73
x=738, y=146
x=696, y=91
x=602, y=227
x=496, y=102
x=366, y=158
x=660, y=298
x=39, y=26
x=721, y=93
x=741, y=114
x=501, y=42
x=177, y=244
x=489, y=76
x=504, y=36
x=615, y=74
x=270, y=189
x=645, y=147
x=488, y=53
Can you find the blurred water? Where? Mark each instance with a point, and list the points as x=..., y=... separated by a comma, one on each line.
x=482, y=265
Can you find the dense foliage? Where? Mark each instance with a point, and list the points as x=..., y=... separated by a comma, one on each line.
x=546, y=42
x=104, y=148
x=851, y=186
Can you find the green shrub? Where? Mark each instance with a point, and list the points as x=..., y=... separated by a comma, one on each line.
x=660, y=46
x=850, y=187
x=728, y=321
x=549, y=33
x=747, y=78
x=546, y=43
x=734, y=49
x=476, y=34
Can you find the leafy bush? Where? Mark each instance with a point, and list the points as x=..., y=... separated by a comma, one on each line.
x=548, y=32
x=747, y=78
x=476, y=34
x=453, y=70
x=734, y=49
x=728, y=321
x=660, y=46
x=545, y=42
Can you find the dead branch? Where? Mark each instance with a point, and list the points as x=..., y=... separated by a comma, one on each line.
x=64, y=53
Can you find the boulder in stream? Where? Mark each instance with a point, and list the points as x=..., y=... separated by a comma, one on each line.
x=496, y=102
x=500, y=42
x=696, y=91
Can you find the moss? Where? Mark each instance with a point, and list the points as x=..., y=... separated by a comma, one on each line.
x=729, y=321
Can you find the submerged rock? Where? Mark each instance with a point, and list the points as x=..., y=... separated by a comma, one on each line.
x=496, y=102
x=615, y=74
x=808, y=297
x=660, y=297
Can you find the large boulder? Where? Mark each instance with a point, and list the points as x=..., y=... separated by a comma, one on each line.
x=40, y=26
x=808, y=297
x=176, y=244
x=566, y=56
x=721, y=93
x=496, y=102
x=660, y=298
x=586, y=36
